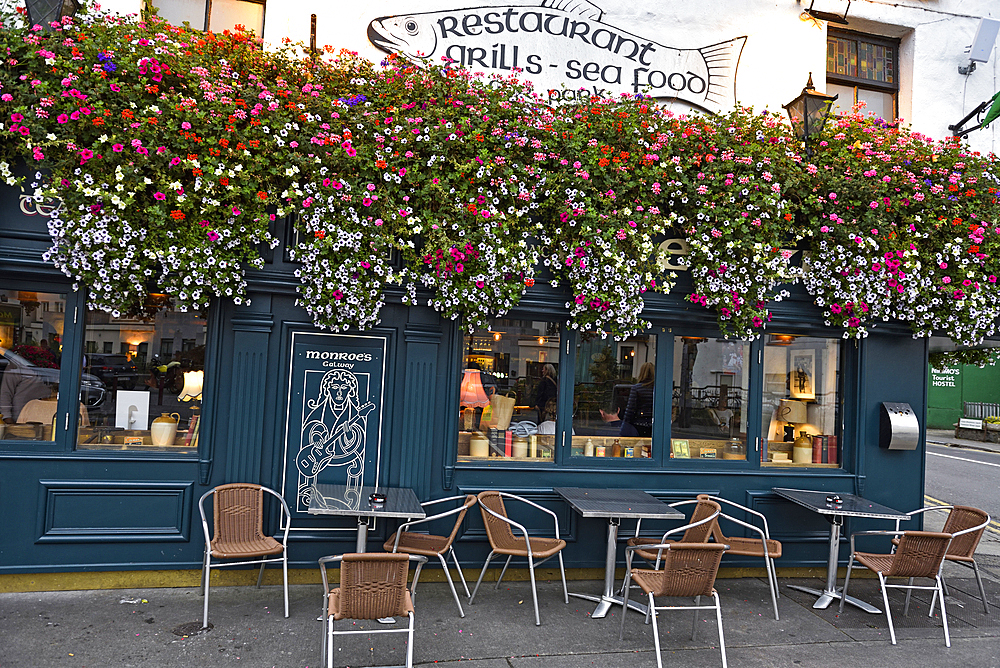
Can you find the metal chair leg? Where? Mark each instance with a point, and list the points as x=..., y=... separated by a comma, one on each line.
x=982, y=590
x=625, y=593
x=409, y=644
x=885, y=600
x=722, y=637
x=562, y=572
x=944, y=614
x=472, y=598
x=906, y=605
x=694, y=622
x=260, y=576
x=458, y=567
x=503, y=571
x=447, y=575
x=656, y=632
x=208, y=579
x=534, y=593
x=847, y=581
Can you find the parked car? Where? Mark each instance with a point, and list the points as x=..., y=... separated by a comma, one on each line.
x=117, y=371
x=92, y=388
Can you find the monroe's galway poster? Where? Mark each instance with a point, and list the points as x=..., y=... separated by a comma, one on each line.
x=335, y=401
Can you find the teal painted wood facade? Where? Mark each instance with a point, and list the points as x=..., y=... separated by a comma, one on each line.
x=72, y=510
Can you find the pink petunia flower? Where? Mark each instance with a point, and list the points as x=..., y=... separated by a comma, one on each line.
x=159, y=196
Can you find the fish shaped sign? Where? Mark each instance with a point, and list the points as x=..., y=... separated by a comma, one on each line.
x=566, y=50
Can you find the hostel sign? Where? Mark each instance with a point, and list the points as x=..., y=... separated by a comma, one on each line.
x=566, y=50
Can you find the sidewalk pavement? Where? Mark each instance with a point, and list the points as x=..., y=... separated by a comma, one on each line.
x=947, y=437
x=144, y=627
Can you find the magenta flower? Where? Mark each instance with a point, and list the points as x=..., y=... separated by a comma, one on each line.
x=213, y=235
x=204, y=223
x=62, y=118
x=114, y=87
x=159, y=196
x=117, y=148
x=17, y=118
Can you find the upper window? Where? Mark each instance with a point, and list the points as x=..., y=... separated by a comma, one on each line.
x=218, y=14
x=613, y=388
x=862, y=68
x=508, y=392
x=31, y=330
x=150, y=403
x=800, y=412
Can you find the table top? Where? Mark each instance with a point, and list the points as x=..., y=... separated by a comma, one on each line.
x=353, y=501
x=621, y=503
x=851, y=505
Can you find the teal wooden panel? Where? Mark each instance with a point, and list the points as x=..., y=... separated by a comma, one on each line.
x=85, y=511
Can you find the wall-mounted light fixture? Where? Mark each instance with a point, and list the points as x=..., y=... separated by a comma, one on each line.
x=808, y=112
x=829, y=17
x=982, y=45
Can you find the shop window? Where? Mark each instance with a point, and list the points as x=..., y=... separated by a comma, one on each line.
x=215, y=15
x=613, y=389
x=708, y=416
x=148, y=405
x=508, y=392
x=30, y=363
x=800, y=415
x=862, y=68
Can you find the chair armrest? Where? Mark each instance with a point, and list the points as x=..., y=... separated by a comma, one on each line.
x=447, y=498
x=719, y=499
x=710, y=518
x=286, y=513
x=919, y=511
x=406, y=527
x=555, y=518
x=763, y=533
x=511, y=522
x=873, y=533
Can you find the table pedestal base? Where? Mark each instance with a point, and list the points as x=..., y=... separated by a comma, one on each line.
x=828, y=597
x=832, y=592
x=604, y=604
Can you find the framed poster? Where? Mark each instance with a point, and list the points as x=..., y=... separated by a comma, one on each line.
x=802, y=384
x=334, y=414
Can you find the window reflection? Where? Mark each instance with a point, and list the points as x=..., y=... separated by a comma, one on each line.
x=801, y=404
x=613, y=388
x=710, y=382
x=152, y=403
x=31, y=330
x=508, y=392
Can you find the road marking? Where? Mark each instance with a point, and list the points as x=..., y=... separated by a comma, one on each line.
x=963, y=459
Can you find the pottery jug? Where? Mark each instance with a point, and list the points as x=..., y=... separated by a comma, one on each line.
x=164, y=429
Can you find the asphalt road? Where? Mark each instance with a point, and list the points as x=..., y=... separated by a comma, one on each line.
x=964, y=477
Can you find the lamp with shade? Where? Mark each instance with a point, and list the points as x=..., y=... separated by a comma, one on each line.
x=193, y=382
x=471, y=395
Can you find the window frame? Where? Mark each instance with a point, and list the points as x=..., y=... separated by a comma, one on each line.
x=860, y=82
x=661, y=461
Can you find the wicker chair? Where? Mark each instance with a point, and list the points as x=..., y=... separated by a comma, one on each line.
x=689, y=570
x=372, y=586
x=504, y=542
x=698, y=530
x=918, y=554
x=430, y=545
x=763, y=546
x=966, y=526
x=238, y=514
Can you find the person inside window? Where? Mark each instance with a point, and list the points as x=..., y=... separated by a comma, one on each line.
x=638, y=418
x=547, y=389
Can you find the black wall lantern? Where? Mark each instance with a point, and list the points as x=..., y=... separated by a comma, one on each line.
x=808, y=112
x=44, y=12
